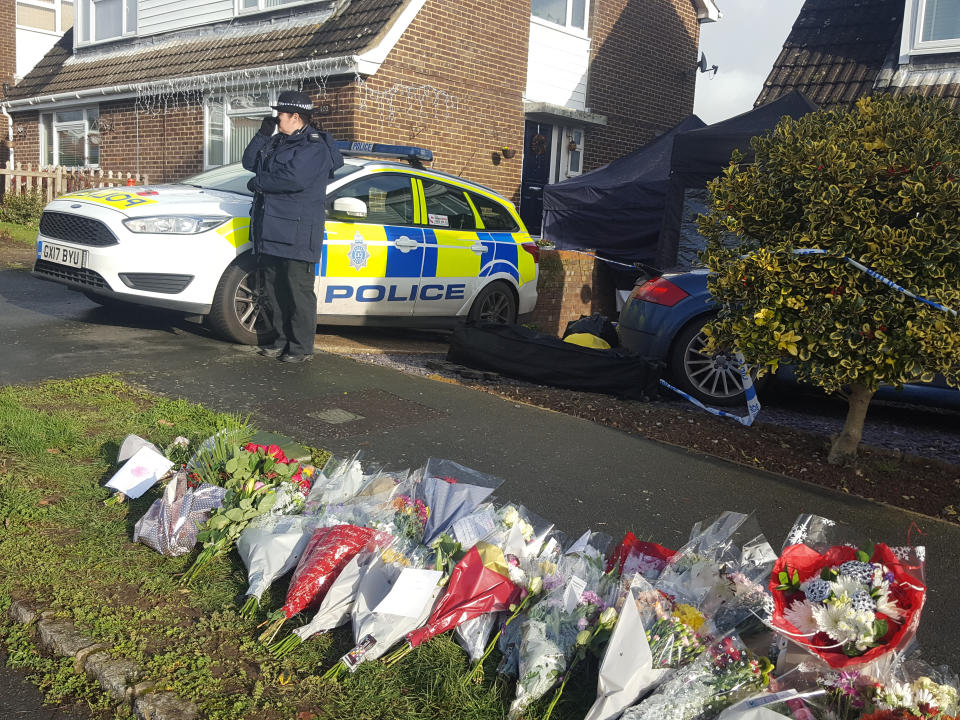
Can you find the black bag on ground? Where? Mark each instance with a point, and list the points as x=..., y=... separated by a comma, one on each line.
x=595, y=324
x=519, y=352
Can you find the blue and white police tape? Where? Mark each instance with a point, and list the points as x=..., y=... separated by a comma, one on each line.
x=750, y=393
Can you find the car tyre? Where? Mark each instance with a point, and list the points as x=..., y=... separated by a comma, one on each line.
x=235, y=313
x=713, y=380
x=496, y=303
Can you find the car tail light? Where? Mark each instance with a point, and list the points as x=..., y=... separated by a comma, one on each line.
x=533, y=249
x=659, y=291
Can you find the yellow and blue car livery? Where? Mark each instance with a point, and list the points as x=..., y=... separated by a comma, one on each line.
x=414, y=246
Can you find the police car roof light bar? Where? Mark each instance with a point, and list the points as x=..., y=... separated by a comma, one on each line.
x=414, y=155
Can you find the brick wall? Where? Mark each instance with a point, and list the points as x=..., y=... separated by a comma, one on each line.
x=571, y=284
x=454, y=84
x=8, y=62
x=26, y=139
x=642, y=72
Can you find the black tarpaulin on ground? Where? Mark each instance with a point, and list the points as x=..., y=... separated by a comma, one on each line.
x=618, y=208
x=518, y=352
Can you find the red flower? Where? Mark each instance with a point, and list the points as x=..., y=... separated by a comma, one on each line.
x=908, y=591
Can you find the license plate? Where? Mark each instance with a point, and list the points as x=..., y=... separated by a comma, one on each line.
x=61, y=254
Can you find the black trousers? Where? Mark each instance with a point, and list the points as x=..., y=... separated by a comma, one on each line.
x=290, y=303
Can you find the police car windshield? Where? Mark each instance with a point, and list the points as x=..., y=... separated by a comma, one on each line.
x=233, y=178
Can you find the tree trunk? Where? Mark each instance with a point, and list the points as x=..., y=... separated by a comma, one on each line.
x=844, y=447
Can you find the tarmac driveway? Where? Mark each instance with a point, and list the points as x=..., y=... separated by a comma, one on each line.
x=571, y=471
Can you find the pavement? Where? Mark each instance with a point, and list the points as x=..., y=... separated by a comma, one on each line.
x=578, y=474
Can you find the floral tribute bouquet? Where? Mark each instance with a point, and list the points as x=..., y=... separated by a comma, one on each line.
x=339, y=481
x=847, y=606
x=259, y=479
x=345, y=530
x=451, y=491
x=171, y=524
x=398, y=520
x=270, y=547
x=379, y=624
x=522, y=536
x=559, y=629
x=634, y=556
x=723, y=674
x=480, y=583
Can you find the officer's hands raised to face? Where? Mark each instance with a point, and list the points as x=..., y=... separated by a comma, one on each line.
x=268, y=125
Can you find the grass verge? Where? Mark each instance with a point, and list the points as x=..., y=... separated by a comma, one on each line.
x=21, y=234
x=62, y=549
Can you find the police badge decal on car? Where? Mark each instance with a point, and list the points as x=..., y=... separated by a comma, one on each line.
x=358, y=254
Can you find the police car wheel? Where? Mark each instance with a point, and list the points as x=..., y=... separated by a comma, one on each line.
x=711, y=379
x=235, y=313
x=496, y=303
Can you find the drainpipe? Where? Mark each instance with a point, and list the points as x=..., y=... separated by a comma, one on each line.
x=3, y=110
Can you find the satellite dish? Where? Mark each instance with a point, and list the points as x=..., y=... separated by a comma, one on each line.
x=703, y=67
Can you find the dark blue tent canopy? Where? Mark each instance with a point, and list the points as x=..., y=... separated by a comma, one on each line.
x=631, y=209
x=616, y=209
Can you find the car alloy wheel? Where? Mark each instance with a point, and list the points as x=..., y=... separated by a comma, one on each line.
x=247, y=302
x=716, y=376
x=495, y=304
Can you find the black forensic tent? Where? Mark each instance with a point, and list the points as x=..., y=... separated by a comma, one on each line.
x=700, y=155
x=632, y=209
x=616, y=209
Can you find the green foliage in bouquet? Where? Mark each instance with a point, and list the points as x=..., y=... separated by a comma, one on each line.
x=878, y=183
x=252, y=479
x=211, y=457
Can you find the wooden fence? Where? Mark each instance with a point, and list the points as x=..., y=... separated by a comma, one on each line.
x=52, y=182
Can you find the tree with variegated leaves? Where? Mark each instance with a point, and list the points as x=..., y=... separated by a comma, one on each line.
x=879, y=184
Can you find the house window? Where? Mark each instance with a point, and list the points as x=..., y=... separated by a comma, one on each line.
x=246, y=6
x=930, y=26
x=568, y=13
x=70, y=138
x=101, y=20
x=232, y=121
x=53, y=16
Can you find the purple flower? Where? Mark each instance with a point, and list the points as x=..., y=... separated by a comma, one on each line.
x=590, y=598
x=582, y=624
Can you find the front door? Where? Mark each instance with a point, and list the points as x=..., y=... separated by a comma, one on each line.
x=537, y=137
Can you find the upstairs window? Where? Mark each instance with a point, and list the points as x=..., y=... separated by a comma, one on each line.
x=53, y=16
x=102, y=20
x=930, y=26
x=567, y=13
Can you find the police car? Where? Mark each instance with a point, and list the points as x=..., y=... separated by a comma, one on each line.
x=404, y=245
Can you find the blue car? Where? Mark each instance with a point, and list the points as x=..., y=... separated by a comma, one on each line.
x=663, y=319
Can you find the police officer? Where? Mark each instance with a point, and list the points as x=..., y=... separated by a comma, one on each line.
x=292, y=168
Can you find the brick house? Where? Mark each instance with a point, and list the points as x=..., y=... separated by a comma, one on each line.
x=840, y=50
x=174, y=88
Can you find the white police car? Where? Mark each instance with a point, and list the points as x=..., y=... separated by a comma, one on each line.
x=404, y=245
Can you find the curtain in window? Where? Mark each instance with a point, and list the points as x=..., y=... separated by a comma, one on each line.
x=553, y=10
x=941, y=20
x=215, y=133
x=242, y=130
x=108, y=19
x=71, y=145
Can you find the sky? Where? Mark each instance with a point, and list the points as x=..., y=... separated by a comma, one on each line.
x=743, y=43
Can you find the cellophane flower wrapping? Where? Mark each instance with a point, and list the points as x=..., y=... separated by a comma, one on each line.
x=552, y=627
x=374, y=631
x=480, y=583
x=632, y=557
x=340, y=480
x=555, y=567
x=451, y=491
x=649, y=642
x=171, y=523
x=848, y=605
x=522, y=535
x=335, y=608
x=721, y=676
x=270, y=547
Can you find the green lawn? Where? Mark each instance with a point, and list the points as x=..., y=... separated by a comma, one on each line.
x=62, y=548
x=26, y=234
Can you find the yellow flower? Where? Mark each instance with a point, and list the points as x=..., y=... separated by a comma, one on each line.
x=689, y=616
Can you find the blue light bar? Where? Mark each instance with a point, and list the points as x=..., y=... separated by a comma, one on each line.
x=393, y=152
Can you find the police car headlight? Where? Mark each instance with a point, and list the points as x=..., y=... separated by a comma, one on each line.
x=174, y=224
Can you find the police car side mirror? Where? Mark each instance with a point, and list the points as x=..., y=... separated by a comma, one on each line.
x=350, y=208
